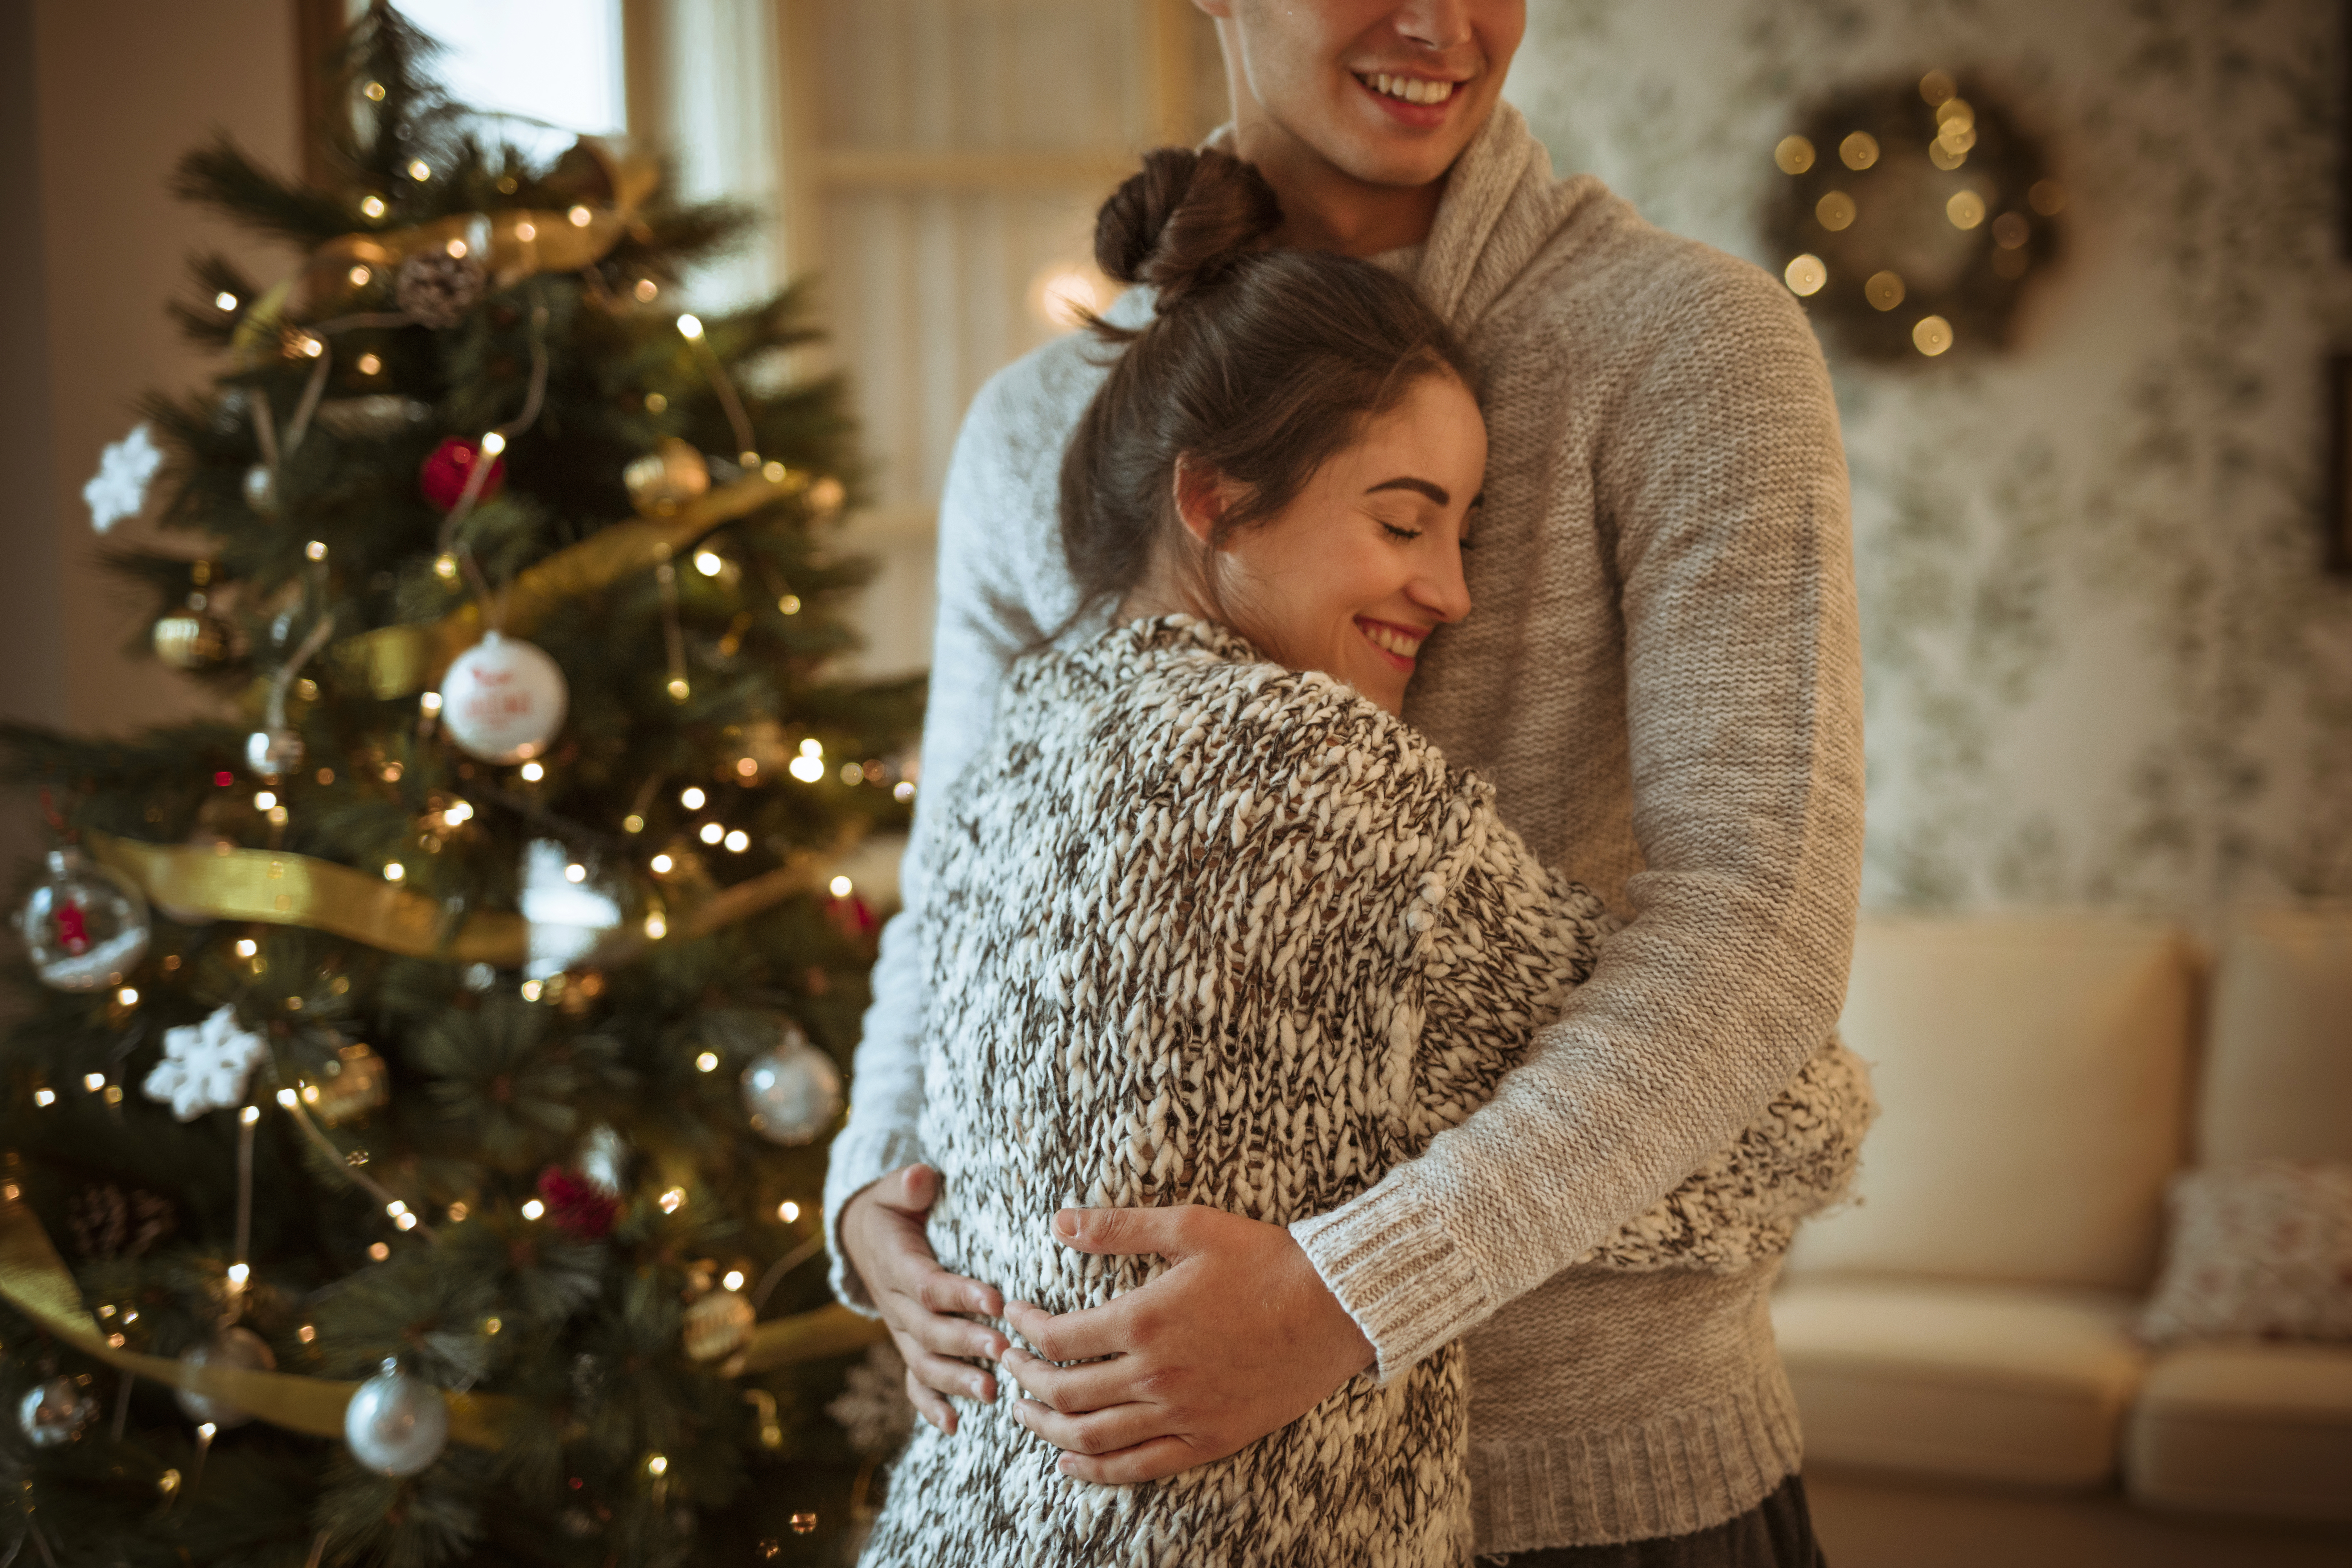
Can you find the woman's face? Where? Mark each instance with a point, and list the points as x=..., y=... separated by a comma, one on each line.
x=1367, y=561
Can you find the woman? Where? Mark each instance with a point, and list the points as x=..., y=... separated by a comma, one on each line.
x=1210, y=924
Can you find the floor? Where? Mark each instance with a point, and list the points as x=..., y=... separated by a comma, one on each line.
x=1871, y=1521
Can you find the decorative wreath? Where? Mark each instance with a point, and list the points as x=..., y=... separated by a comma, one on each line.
x=1912, y=218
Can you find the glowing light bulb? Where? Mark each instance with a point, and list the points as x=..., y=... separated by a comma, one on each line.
x=359, y=277
x=264, y=800
x=457, y=249
x=841, y=887
x=393, y=870
x=531, y=772
x=405, y=1221
x=576, y=872
x=733, y=1281
x=656, y=927
x=224, y=300
x=493, y=443
x=790, y=604
x=657, y=1466
x=738, y=841
x=379, y=1251
x=93, y=1081
x=370, y=364
x=315, y=549
x=532, y=1208
x=812, y=748
x=530, y=990
x=526, y=231
x=249, y=1115
x=707, y=562
x=633, y=823
x=445, y=567
x=707, y=1062
x=662, y=864
x=691, y=798
x=745, y=767
x=373, y=206
x=807, y=769
x=645, y=290
x=419, y=170
x=45, y=1096
x=711, y=833
x=579, y=216
x=678, y=689
x=374, y=91
x=788, y=1211
x=238, y=1273
x=286, y=1098
x=245, y=947
x=773, y=471
x=690, y=326
x=902, y=791
x=673, y=1200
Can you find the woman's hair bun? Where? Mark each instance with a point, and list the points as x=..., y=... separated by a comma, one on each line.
x=1183, y=221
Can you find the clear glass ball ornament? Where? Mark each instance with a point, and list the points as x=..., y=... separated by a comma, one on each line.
x=792, y=1092
x=55, y=1411
x=85, y=926
x=273, y=754
x=396, y=1423
x=238, y=1347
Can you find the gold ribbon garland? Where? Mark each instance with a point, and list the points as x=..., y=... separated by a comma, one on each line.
x=35, y=1281
x=223, y=883
x=511, y=243
x=397, y=660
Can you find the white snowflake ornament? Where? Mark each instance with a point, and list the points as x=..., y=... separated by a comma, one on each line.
x=119, y=489
x=205, y=1065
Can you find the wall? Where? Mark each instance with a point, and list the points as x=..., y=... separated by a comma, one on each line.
x=2104, y=663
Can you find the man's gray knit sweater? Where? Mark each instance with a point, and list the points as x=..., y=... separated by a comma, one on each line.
x=1661, y=678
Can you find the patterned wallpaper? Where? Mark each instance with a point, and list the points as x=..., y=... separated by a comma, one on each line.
x=2104, y=664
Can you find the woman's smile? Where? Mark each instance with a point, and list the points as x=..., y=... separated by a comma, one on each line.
x=1398, y=644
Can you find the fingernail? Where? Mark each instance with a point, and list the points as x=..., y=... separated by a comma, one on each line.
x=1066, y=1225
x=1068, y=1465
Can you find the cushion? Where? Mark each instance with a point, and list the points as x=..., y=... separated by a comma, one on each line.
x=2033, y=1071
x=2258, y=1250
x=2245, y=1428
x=2278, y=1071
x=2006, y=1382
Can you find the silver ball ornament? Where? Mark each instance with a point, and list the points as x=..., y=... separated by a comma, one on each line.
x=55, y=1411
x=238, y=1347
x=273, y=754
x=85, y=925
x=261, y=489
x=396, y=1423
x=792, y=1092
x=503, y=700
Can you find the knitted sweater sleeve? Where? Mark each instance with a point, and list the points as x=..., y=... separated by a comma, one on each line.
x=1722, y=487
x=987, y=581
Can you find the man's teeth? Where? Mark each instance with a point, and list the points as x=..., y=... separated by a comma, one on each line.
x=1412, y=90
x=1394, y=642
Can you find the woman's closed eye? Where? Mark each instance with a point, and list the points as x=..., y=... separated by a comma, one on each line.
x=1395, y=532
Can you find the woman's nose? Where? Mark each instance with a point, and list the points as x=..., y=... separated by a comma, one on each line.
x=1442, y=591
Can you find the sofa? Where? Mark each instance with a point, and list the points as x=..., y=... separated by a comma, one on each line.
x=1962, y=1338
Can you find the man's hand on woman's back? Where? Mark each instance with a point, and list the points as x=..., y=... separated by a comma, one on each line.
x=882, y=1234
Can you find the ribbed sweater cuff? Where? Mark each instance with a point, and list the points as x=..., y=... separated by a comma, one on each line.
x=854, y=1163
x=1388, y=1258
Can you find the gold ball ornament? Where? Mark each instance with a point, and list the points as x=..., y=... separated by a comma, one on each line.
x=718, y=1325
x=666, y=478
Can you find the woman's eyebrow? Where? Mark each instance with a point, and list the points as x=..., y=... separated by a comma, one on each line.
x=1434, y=492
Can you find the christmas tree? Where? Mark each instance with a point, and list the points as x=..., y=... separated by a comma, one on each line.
x=413, y=1118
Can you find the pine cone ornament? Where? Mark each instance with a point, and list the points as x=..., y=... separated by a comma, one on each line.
x=438, y=288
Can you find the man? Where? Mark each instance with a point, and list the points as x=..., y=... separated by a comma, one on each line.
x=1661, y=678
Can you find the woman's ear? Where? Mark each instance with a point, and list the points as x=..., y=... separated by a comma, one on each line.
x=1200, y=500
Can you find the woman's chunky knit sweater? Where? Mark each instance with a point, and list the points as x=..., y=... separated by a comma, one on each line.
x=1204, y=930
x=1660, y=676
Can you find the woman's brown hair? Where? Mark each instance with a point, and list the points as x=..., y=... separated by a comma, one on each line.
x=1259, y=364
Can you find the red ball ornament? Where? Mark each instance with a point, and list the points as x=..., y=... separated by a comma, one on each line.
x=576, y=1205
x=448, y=466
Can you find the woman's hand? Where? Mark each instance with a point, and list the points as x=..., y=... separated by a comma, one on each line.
x=1239, y=1337
x=882, y=1235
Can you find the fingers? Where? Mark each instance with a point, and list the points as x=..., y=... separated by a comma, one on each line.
x=1073, y=1390
x=1162, y=1230
x=941, y=1291
x=1088, y=1335
x=944, y=1376
x=1146, y=1461
x=929, y=1405
x=939, y=1333
x=914, y=1187
x=1096, y=1432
